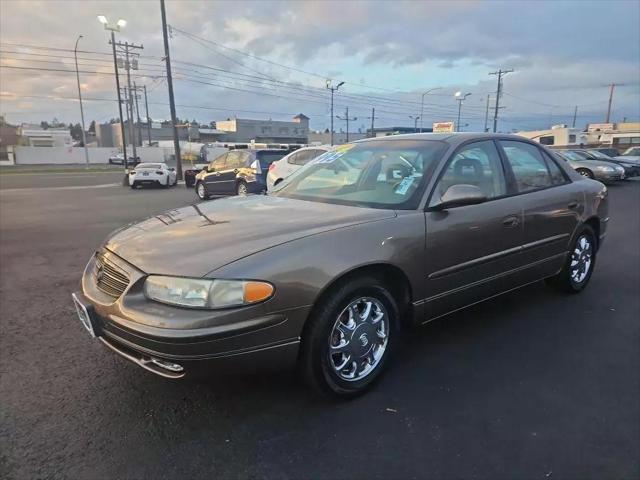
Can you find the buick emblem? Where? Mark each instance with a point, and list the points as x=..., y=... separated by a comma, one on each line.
x=364, y=340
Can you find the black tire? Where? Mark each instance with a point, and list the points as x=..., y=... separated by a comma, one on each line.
x=315, y=362
x=585, y=173
x=134, y=185
x=201, y=191
x=566, y=280
x=241, y=188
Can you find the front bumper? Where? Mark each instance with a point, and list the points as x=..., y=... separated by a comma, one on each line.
x=201, y=342
x=608, y=177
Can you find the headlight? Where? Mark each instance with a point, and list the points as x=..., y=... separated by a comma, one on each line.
x=204, y=293
x=605, y=169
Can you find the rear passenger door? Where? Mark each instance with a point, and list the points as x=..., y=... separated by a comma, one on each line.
x=470, y=248
x=551, y=208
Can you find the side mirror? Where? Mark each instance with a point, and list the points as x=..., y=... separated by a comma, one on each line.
x=460, y=195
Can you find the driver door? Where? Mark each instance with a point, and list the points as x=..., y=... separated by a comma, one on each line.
x=469, y=248
x=212, y=179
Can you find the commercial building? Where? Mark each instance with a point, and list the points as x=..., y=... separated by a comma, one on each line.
x=50, y=137
x=386, y=131
x=243, y=130
x=557, y=136
x=615, y=135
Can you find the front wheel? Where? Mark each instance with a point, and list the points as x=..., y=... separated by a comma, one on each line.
x=347, y=341
x=134, y=185
x=581, y=260
x=201, y=191
x=585, y=173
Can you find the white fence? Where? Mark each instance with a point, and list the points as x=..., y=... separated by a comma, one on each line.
x=71, y=155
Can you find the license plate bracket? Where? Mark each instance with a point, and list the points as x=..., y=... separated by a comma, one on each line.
x=85, y=315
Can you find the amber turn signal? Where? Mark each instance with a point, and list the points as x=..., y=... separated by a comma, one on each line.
x=257, y=291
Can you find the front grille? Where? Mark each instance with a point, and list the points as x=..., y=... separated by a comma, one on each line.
x=109, y=278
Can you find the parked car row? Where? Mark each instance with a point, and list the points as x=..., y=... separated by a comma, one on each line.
x=598, y=165
x=378, y=236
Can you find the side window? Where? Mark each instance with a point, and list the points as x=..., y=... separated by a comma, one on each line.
x=234, y=159
x=293, y=159
x=311, y=154
x=475, y=164
x=557, y=177
x=219, y=162
x=528, y=166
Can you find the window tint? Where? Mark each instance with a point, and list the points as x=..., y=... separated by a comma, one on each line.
x=267, y=157
x=529, y=167
x=293, y=158
x=476, y=164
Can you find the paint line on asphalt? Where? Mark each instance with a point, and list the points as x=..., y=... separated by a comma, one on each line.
x=72, y=187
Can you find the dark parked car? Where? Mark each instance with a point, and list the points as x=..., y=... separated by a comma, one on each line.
x=631, y=169
x=369, y=239
x=609, y=152
x=237, y=172
x=118, y=159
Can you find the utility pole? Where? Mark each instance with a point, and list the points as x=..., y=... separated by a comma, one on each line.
x=486, y=114
x=115, y=66
x=372, y=118
x=146, y=107
x=611, y=88
x=333, y=89
x=84, y=135
x=500, y=73
x=348, y=119
x=575, y=114
x=135, y=91
x=126, y=48
x=460, y=97
x=172, y=103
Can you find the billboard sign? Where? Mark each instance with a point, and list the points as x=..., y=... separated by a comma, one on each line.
x=443, y=127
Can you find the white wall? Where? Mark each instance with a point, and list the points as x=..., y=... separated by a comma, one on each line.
x=71, y=155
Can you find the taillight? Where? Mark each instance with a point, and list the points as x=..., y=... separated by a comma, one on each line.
x=159, y=172
x=272, y=166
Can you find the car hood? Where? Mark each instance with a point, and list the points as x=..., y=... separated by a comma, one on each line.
x=629, y=159
x=195, y=240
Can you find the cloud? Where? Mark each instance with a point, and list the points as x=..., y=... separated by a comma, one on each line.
x=563, y=52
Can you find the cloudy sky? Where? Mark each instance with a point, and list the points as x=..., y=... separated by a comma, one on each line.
x=270, y=59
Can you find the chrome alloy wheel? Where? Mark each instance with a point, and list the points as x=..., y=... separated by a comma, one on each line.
x=358, y=339
x=202, y=191
x=581, y=259
x=242, y=189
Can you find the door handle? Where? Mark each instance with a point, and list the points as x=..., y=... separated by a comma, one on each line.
x=236, y=170
x=510, y=222
x=573, y=205
x=217, y=174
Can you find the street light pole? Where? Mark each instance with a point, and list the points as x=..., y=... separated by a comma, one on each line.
x=422, y=104
x=460, y=97
x=415, y=122
x=84, y=135
x=333, y=89
x=116, y=28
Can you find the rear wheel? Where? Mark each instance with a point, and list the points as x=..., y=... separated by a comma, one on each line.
x=347, y=341
x=134, y=185
x=577, y=270
x=201, y=191
x=241, y=188
x=585, y=172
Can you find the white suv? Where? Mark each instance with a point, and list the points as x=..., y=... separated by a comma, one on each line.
x=284, y=167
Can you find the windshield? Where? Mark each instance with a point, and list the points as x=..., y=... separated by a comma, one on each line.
x=379, y=174
x=600, y=155
x=575, y=156
x=632, y=151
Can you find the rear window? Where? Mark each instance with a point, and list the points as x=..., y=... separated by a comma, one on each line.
x=267, y=158
x=148, y=165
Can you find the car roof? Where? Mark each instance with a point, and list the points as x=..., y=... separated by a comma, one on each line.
x=451, y=138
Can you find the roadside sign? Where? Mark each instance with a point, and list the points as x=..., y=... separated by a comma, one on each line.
x=443, y=127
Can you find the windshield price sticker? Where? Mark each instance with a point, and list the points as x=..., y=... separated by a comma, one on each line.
x=403, y=186
x=333, y=155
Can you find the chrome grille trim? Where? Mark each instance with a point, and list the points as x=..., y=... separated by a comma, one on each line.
x=109, y=278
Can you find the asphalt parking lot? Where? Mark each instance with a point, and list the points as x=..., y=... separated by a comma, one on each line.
x=533, y=385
